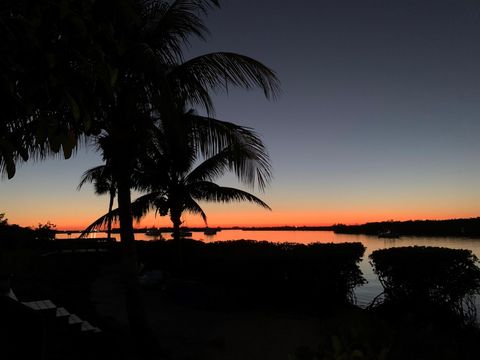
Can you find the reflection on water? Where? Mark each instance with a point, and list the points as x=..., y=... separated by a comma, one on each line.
x=365, y=293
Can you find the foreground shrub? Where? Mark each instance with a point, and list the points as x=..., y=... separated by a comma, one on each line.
x=429, y=279
x=359, y=334
x=253, y=272
x=13, y=236
x=350, y=334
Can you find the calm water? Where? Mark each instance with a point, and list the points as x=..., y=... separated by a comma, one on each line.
x=366, y=293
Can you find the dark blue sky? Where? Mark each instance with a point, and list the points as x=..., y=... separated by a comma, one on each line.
x=378, y=117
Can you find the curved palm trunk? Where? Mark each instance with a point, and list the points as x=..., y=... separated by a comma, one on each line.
x=110, y=207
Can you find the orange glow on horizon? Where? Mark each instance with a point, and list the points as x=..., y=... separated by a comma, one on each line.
x=258, y=218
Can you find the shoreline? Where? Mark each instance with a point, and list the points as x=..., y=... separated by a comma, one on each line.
x=432, y=228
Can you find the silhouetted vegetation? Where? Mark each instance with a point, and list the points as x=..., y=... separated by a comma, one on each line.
x=351, y=334
x=16, y=236
x=454, y=227
x=426, y=311
x=75, y=69
x=366, y=335
x=430, y=281
x=249, y=273
x=175, y=173
x=317, y=279
x=103, y=183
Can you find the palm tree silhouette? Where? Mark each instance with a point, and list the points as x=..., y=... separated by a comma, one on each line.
x=127, y=63
x=103, y=183
x=174, y=180
x=179, y=168
x=153, y=74
x=181, y=192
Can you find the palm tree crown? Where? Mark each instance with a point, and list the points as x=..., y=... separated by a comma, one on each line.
x=178, y=169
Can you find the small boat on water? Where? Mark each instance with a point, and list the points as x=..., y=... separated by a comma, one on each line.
x=153, y=232
x=183, y=234
x=210, y=231
x=388, y=235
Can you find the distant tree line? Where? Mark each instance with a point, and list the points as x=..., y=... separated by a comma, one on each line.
x=453, y=227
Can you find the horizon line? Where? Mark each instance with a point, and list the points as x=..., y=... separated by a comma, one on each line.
x=116, y=229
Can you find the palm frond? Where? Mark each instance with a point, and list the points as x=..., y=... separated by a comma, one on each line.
x=101, y=222
x=169, y=27
x=218, y=71
x=193, y=207
x=210, y=169
x=92, y=175
x=140, y=208
x=211, y=135
x=208, y=191
x=143, y=204
x=247, y=155
x=252, y=167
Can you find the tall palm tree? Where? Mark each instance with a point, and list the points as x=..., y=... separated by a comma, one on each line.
x=175, y=179
x=180, y=192
x=103, y=183
x=176, y=182
x=122, y=63
x=151, y=73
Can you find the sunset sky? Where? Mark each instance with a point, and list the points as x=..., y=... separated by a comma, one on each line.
x=379, y=117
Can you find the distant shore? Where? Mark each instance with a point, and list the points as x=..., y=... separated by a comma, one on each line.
x=452, y=227
x=219, y=228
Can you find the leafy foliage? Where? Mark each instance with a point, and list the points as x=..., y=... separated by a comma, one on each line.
x=13, y=236
x=3, y=220
x=429, y=278
x=351, y=334
x=359, y=334
x=53, y=73
x=45, y=231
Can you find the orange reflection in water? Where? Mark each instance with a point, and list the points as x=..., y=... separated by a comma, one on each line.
x=302, y=237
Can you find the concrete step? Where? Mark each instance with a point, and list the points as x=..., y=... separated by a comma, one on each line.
x=74, y=322
x=87, y=327
x=61, y=315
x=47, y=307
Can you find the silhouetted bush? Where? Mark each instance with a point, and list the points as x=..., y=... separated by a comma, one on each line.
x=351, y=334
x=365, y=335
x=14, y=236
x=429, y=279
x=45, y=231
x=253, y=272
